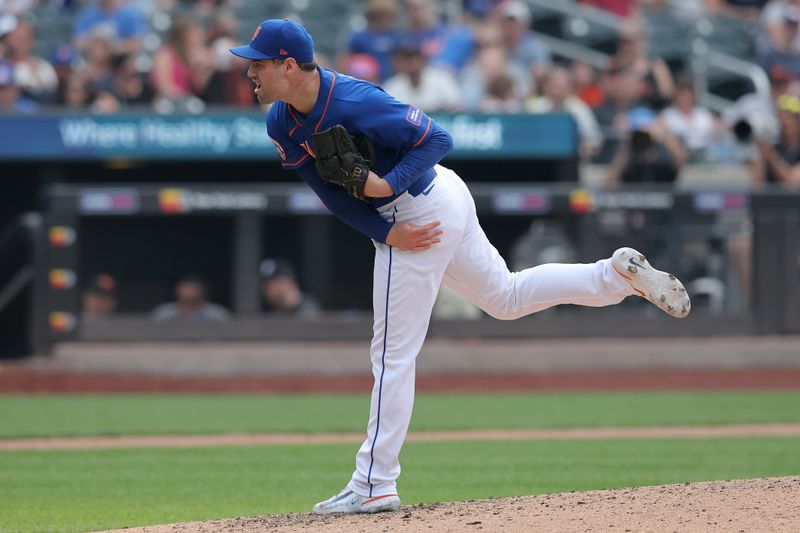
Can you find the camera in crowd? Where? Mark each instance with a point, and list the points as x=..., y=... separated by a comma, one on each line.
x=746, y=131
x=750, y=125
x=641, y=141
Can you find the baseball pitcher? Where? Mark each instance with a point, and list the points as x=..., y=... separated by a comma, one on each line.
x=373, y=161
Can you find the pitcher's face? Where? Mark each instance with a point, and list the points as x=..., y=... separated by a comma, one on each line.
x=269, y=77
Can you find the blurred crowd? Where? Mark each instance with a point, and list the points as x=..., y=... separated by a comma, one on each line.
x=638, y=112
x=280, y=295
x=168, y=55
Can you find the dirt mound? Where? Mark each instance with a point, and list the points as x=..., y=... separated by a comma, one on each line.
x=766, y=504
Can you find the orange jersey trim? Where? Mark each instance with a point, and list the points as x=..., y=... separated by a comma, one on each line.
x=328, y=101
x=294, y=117
x=423, y=135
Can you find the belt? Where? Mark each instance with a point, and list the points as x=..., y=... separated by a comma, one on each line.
x=422, y=183
x=416, y=189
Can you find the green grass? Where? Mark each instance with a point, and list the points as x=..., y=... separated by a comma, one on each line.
x=101, y=489
x=92, y=490
x=41, y=416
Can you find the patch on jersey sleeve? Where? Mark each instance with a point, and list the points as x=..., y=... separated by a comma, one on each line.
x=280, y=149
x=414, y=115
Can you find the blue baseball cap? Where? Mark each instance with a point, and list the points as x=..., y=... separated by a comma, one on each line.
x=640, y=118
x=278, y=39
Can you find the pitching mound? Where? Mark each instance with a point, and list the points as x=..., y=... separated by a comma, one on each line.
x=769, y=504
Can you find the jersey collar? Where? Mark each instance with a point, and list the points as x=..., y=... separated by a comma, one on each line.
x=327, y=82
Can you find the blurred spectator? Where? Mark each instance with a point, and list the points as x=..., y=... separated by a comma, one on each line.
x=35, y=76
x=378, y=39
x=105, y=103
x=129, y=86
x=8, y=23
x=364, y=67
x=621, y=8
x=76, y=93
x=416, y=82
x=182, y=68
x=461, y=42
x=65, y=59
x=586, y=86
x=98, y=58
x=621, y=95
x=99, y=297
x=784, y=53
x=692, y=124
x=649, y=154
x=280, y=290
x=559, y=97
x=780, y=163
x=500, y=96
x=125, y=24
x=490, y=69
x=191, y=303
x=222, y=34
x=425, y=28
x=773, y=19
x=11, y=98
x=521, y=45
x=653, y=77
x=229, y=84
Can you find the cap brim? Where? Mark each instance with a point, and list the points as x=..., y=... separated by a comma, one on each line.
x=248, y=52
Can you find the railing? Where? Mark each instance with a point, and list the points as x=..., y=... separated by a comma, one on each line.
x=24, y=227
x=570, y=8
x=703, y=59
x=573, y=51
x=21, y=244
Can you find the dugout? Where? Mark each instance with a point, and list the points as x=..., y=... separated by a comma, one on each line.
x=147, y=200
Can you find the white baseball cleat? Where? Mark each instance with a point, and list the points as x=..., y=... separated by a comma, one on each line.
x=348, y=502
x=660, y=288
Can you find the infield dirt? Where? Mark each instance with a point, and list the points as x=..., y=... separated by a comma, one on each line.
x=765, y=504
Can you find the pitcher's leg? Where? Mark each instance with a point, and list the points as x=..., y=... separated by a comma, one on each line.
x=478, y=272
x=405, y=289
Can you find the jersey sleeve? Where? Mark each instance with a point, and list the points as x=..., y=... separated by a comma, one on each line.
x=394, y=123
x=407, y=129
x=291, y=154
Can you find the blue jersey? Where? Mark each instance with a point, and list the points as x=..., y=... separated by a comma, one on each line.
x=407, y=142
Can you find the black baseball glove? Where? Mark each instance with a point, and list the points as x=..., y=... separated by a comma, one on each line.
x=339, y=161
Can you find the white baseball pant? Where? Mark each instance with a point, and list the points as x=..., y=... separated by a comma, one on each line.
x=405, y=285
